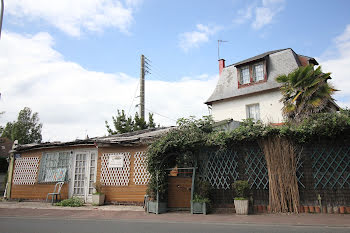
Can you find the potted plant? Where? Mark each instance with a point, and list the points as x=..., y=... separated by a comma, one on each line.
x=152, y=204
x=98, y=198
x=200, y=202
x=241, y=188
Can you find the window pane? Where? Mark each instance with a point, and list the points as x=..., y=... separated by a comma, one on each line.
x=259, y=72
x=253, y=112
x=245, y=75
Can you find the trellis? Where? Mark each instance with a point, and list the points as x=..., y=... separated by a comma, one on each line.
x=256, y=170
x=115, y=176
x=220, y=168
x=25, y=170
x=331, y=167
x=141, y=175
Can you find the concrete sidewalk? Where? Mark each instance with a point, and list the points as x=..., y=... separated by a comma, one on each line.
x=135, y=213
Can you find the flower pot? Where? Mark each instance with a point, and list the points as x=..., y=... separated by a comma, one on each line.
x=329, y=209
x=98, y=199
x=317, y=209
x=241, y=207
x=342, y=209
x=198, y=208
x=347, y=209
x=306, y=209
x=156, y=207
x=336, y=209
x=311, y=209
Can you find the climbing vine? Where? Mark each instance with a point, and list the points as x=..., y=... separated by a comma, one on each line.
x=181, y=145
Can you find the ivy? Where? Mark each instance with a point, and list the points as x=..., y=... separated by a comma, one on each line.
x=181, y=145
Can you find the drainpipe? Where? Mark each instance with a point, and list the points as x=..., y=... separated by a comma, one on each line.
x=10, y=170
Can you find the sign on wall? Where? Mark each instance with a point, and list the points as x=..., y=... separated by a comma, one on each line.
x=116, y=160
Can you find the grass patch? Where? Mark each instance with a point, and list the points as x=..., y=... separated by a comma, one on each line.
x=72, y=202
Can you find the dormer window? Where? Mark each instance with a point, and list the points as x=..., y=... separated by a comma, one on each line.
x=245, y=76
x=252, y=74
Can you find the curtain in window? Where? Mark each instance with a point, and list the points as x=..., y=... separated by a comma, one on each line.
x=55, y=167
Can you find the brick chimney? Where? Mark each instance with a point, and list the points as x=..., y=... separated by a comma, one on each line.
x=221, y=65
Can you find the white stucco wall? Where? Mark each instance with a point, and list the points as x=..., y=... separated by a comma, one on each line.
x=270, y=107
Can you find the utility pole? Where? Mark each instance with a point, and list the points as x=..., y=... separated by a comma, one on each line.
x=142, y=87
x=1, y=15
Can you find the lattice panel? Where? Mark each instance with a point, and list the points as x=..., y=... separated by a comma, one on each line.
x=331, y=167
x=141, y=175
x=221, y=169
x=25, y=170
x=256, y=169
x=300, y=173
x=115, y=176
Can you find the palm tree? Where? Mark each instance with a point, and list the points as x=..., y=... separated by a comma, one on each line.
x=305, y=92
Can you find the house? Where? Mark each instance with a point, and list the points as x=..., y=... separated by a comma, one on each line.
x=117, y=162
x=248, y=89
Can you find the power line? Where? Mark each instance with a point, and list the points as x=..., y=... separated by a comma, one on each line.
x=160, y=115
x=133, y=98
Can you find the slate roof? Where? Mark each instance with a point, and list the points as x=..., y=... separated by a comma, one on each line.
x=141, y=137
x=282, y=61
x=258, y=57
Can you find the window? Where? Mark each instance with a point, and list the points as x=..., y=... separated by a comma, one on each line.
x=54, y=166
x=253, y=112
x=245, y=75
x=250, y=74
x=258, y=72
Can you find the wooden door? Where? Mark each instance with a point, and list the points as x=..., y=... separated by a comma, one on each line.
x=179, y=192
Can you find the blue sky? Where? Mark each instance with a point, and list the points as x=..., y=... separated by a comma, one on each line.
x=75, y=62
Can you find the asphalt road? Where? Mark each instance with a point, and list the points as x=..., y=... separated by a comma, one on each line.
x=61, y=225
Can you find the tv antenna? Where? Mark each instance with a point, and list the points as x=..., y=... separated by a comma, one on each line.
x=220, y=41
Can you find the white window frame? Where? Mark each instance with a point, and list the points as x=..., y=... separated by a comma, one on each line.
x=253, y=115
x=244, y=81
x=255, y=73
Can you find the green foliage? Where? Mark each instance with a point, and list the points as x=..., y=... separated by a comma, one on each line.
x=189, y=137
x=124, y=124
x=199, y=198
x=26, y=129
x=202, y=188
x=241, y=188
x=305, y=92
x=72, y=202
x=182, y=145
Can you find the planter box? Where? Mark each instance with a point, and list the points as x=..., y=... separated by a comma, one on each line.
x=241, y=206
x=98, y=199
x=198, y=208
x=156, y=207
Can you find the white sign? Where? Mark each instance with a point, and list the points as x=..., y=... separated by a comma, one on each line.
x=116, y=160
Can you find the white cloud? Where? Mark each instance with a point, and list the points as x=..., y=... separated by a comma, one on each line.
x=71, y=100
x=75, y=17
x=261, y=14
x=194, y=39
x=339, y=65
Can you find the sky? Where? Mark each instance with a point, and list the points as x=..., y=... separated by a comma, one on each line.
x=76, y=62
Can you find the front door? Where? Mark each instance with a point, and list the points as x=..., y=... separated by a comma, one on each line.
x=84, y=174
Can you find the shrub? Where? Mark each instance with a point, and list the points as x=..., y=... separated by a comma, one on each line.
x=72, y=202
x=241, y=188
